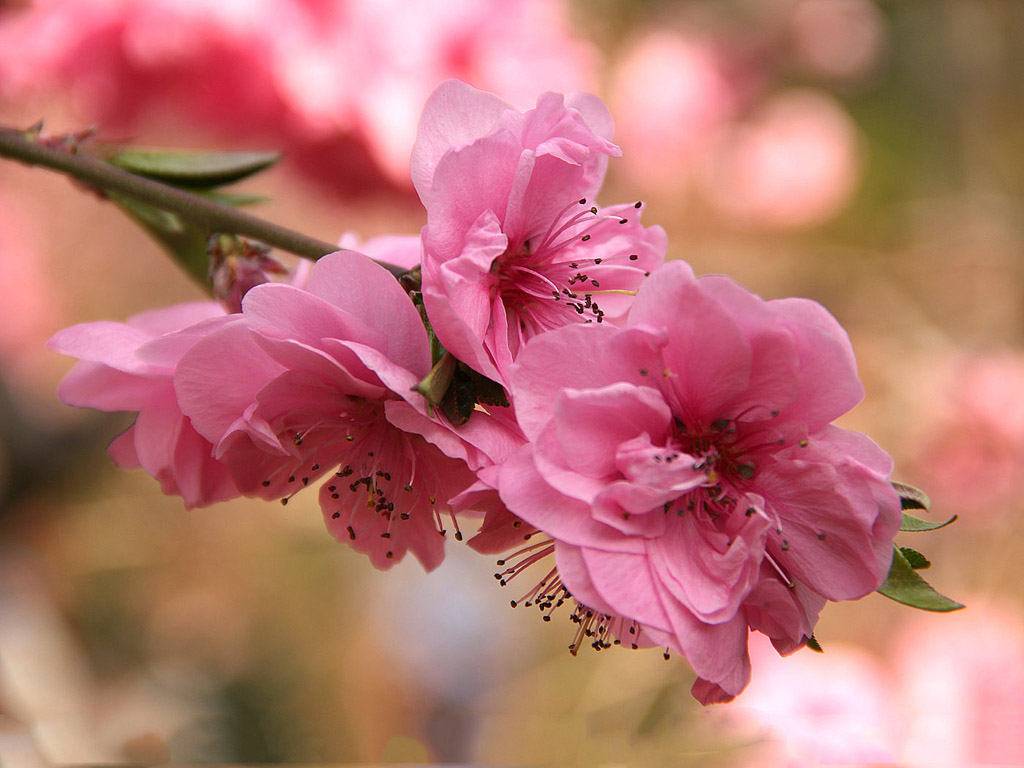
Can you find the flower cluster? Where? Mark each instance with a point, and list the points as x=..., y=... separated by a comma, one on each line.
x=656, y=447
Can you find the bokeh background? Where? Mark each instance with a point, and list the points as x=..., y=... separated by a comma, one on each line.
x=868, y=155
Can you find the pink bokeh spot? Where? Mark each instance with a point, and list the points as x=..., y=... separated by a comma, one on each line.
x=794, y=163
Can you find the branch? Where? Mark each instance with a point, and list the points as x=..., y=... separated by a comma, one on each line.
x=211, y=215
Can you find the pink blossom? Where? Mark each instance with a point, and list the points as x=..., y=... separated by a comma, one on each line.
x=793, y=163
x=317, y=383
x=130, y=367
x=686, y=470
x=513, y=245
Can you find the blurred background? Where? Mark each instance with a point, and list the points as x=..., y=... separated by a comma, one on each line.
x=868, y=155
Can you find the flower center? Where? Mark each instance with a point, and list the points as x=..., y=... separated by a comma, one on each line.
x=558, y=269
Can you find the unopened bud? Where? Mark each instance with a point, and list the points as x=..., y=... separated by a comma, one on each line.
x=236, y=265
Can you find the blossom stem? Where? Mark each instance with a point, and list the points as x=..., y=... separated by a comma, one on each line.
x=211, y=215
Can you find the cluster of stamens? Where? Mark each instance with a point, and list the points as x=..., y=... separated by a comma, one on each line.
x=551, y=259
x=594, y=628
x=371, y=478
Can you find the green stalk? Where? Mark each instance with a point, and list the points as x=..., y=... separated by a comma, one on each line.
x=212, y=216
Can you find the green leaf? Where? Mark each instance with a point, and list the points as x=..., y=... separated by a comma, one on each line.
x=906, y=586
x=814, y=645
x=916, y=524
x=917, y=561
x=911, y=497
x=193, y=169
x=185, y=242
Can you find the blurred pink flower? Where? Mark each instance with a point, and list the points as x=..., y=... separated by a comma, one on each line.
x=337, y=85
x=794, y=163
x=512, y=245
x=832, y=708
x=962, y=678
x=671, y=95
x=714, y=405
x=130, y=367
x=305, y=385
x=973, y=450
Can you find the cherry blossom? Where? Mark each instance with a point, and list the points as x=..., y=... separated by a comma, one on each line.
x=513, y=244
x=305, y=386
x=688, y=476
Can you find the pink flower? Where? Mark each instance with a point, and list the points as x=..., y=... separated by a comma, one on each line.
x=130, y=367
x=512, y=245
x=686, y=469
x=310, y=384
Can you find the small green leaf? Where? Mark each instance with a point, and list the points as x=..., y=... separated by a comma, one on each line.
x=906, y=586
x=814, y=645
x=193, y=169
x=911, y=497
x=916, y=524
x=917, y=561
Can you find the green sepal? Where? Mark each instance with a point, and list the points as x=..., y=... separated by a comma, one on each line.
x=435, y=384
x=185, y=242
x=192, y=169
x=814, y=645
x=917, y=561
x=916, y=524
x=906, y=586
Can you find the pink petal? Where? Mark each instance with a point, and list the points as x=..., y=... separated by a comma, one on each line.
x=585, y=357
x=362, y=289
x=838, y=517
x=95, y=385
x=527, y=495
x=219, y=377
x=592, y=424
x=455, y=115
x=626, y=583
x=112, y=344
